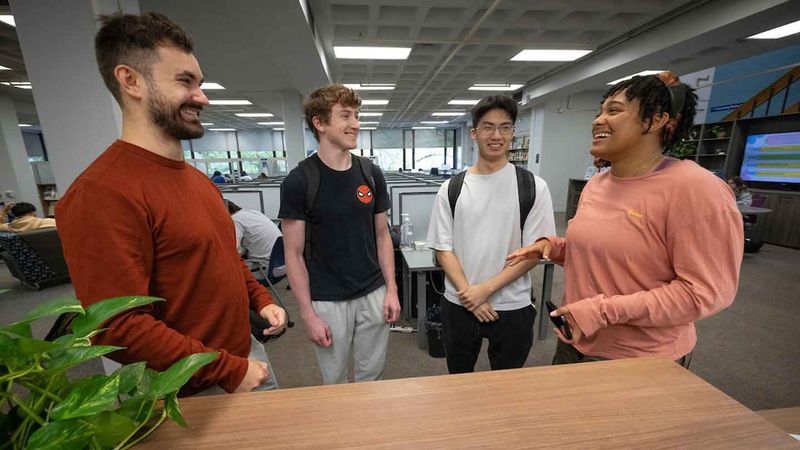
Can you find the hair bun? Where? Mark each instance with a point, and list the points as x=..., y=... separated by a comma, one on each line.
x=668, y=78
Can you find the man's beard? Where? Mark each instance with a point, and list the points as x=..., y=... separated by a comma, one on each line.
x=168, y=117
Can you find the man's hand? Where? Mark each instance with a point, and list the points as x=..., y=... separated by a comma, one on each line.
x=577, y=334
x=474, y=295
x=391, y=307
x=540, y=249
x=485, y=313
x=317, y=330
x=257, y=374
x=276, y=316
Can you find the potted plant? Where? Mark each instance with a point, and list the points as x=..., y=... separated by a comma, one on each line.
x=684, y=149
x=718, y=131
x=43, y=409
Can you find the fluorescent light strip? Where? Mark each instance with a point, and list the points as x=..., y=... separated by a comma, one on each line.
x=206, y=124
x=270, y=123
x=448, y=113
x=255, y=114
x=370, y=87
x=4, y=68
x=463, y=102
x=780, y=32
x=495, y=87
x=222, y=129
x=9, y=19
x=369, y=123
x=368, y=128
x=643, y=73
x=374, y=102
x=432, y=122
x=23, y=125
x=230, y=102
x=549, y=55
x=370, y=114
x=371, y=52
x=208, y=86
x=423, y=128
x=279, y=129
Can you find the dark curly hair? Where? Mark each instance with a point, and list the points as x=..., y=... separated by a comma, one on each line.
x=662, y=93
x=133, y=40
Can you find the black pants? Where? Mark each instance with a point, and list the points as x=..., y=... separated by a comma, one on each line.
x=510, y=338
x=568, y=354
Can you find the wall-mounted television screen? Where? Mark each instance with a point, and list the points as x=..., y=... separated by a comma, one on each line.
x=772, y=158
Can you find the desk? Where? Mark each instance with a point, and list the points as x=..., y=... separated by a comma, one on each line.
x=420, y=262
x=752, y=233
x=639, y=403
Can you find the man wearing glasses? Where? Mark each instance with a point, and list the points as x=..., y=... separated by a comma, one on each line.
x=485, y=298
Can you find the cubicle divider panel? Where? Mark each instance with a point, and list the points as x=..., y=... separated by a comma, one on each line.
x=246, y=199
x=394, y=195
x=272, y=200
x=418, y=205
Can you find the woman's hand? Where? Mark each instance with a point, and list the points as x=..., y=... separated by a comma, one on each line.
x=539, y=250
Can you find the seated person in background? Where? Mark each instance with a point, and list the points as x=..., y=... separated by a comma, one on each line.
x=245, y=177
x=743, y=196
x=255, y=235
x=24, y=218
x=218, y=178
x=262, y=176
x=657, y=242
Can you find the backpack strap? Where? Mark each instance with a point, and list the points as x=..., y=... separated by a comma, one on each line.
x=454, y=190
x=311, y=174
x=526, y=188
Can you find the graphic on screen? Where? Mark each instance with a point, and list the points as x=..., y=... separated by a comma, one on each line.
x=772, y=158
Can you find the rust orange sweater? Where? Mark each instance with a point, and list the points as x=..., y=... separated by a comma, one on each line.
x=135, y=223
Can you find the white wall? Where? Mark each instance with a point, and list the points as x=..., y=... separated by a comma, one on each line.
x=565, y=130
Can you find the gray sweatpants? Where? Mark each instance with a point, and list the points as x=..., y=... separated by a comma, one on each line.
x=356, y=324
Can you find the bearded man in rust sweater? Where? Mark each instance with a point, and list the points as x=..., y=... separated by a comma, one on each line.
x=141, y=221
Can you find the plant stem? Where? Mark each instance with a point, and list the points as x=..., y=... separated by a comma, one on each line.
x=31, y=413
x=147, y=433
x=121, y=445
x=45, y=393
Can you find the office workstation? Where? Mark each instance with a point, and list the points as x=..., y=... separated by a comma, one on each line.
x=261, y=60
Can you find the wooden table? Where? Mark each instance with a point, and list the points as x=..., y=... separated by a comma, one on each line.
x=643, y=403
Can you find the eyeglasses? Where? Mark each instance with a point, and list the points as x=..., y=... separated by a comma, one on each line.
x=488, y=130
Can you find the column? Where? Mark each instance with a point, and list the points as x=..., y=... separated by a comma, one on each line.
x=78, y=116
x=16, y=176
x=294, y=142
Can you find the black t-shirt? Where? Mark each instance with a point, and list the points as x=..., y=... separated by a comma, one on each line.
x=343, y=261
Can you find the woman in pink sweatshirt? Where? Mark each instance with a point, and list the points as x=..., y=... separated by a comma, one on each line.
x=656, y=243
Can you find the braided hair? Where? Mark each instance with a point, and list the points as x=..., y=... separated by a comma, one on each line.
x=661, y=93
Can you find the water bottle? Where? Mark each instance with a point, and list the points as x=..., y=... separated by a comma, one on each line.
x=406, y=231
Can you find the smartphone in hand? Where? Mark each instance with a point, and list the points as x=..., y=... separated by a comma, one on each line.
x=559, y=321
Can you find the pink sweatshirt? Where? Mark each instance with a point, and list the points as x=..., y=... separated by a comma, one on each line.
x=647, y=257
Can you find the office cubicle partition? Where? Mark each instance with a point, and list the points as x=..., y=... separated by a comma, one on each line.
x=418, y=205
x=246, y=199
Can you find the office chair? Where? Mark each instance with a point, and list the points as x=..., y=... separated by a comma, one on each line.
x=277, y=258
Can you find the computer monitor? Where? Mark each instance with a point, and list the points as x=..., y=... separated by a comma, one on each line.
x=772, y=158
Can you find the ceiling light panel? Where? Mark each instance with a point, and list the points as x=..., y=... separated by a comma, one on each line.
x=549, y=55
x=371, y=52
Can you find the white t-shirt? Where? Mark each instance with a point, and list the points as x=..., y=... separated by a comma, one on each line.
x=256, y=234
x=487, y=229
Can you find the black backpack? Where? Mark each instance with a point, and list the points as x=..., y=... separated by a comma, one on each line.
x=311, y=171
x=526, y=187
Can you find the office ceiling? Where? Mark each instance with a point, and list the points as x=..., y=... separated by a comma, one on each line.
x=262, y=49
